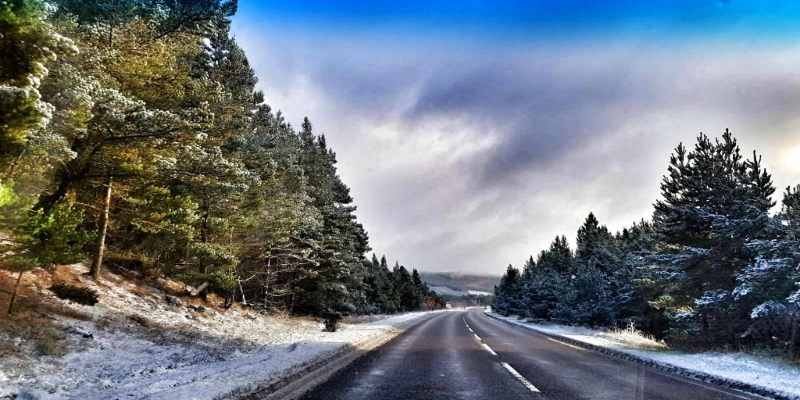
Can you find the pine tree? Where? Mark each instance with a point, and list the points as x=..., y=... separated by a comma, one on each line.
x=27, y=43
x=713, y=203
x=506, y=299
x=769, y=288
x=790, y=211
x=334, y=284
x=421, y=290
x=596, y=246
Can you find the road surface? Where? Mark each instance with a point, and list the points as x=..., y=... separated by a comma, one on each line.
x=467, y=355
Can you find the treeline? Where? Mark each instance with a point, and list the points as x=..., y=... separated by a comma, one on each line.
x=712, y=269
x=132, y=133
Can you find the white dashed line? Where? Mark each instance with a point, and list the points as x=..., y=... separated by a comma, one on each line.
x=489, y=349
x=508, y=368
x=520, y=378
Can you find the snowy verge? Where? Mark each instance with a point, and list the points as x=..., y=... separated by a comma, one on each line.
x=142, y=342
x=733, y=370
x=299, y=379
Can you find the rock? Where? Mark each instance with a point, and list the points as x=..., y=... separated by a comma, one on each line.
x=139, y=319
x=83, y=334
x=172, y=300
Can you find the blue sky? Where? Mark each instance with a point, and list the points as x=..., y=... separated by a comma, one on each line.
x=531, y=19
x=473, y=132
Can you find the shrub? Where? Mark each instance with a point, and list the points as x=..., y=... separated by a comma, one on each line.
x=220, y=279
x=76, y=294
x=55, y=237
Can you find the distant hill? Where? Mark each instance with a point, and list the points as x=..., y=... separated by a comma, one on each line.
x=460, y=282
x=447, y=291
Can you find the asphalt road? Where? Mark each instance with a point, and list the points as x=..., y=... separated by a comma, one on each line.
x=467, y=355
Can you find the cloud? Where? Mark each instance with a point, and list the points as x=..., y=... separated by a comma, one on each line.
x=470, y=156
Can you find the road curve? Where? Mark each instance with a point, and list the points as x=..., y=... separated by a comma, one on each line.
x=466, y=355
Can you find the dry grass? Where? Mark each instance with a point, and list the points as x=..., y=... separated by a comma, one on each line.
x=634, y=337
x=363, y=319
x=136, y=306
x=50, y=342
x=45, y=338
x=140, y=291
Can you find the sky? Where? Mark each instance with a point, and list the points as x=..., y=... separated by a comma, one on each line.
x=473, y=132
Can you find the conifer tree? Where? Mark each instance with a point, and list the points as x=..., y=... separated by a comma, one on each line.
x=506, y=299
x=713, y=203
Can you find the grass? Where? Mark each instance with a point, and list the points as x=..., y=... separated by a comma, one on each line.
x=628, y=336
x=363, y=319
x=50, y=342
x=45, y=338
x=634, y=337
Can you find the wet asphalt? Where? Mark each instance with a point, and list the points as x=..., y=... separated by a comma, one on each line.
x=466, y=355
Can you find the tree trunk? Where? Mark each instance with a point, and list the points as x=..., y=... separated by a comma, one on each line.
x=97, y=262
x=14, y=295
x=241, y=289
x=291, y=287
x=793, y=340
x=266, y=285
x=13, y=165
x=204, y=233
x=69, y=173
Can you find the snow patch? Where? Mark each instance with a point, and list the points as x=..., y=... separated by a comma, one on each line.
x=134, y=344
x=733, y=366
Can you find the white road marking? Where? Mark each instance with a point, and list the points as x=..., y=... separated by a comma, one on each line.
x=477, y=337
x=489, y=349
x=470, y=329
x=520, y=378
x=567, y=344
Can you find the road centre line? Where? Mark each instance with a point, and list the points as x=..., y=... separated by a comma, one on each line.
x=520, y=378
x=489, y=349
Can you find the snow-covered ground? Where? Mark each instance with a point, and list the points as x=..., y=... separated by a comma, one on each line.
x=447, y=291
x=135, y=344
x=745, y=368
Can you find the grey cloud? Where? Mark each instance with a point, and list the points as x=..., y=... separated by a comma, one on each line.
x=574, y=130
x=538, y=114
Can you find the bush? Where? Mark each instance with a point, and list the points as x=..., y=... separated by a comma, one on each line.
x=75, y=294
x=220, y=279
x=55, y=237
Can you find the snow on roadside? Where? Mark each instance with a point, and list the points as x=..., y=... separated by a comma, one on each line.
x=734, y=366
x=137, y=345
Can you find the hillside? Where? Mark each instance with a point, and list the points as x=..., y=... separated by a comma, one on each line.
x=460, y=282
x=147, y=339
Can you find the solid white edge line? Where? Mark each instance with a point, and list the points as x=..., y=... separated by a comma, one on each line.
x=489, y=349
x=520, y=378
x=567, y=344
x=477, y=337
